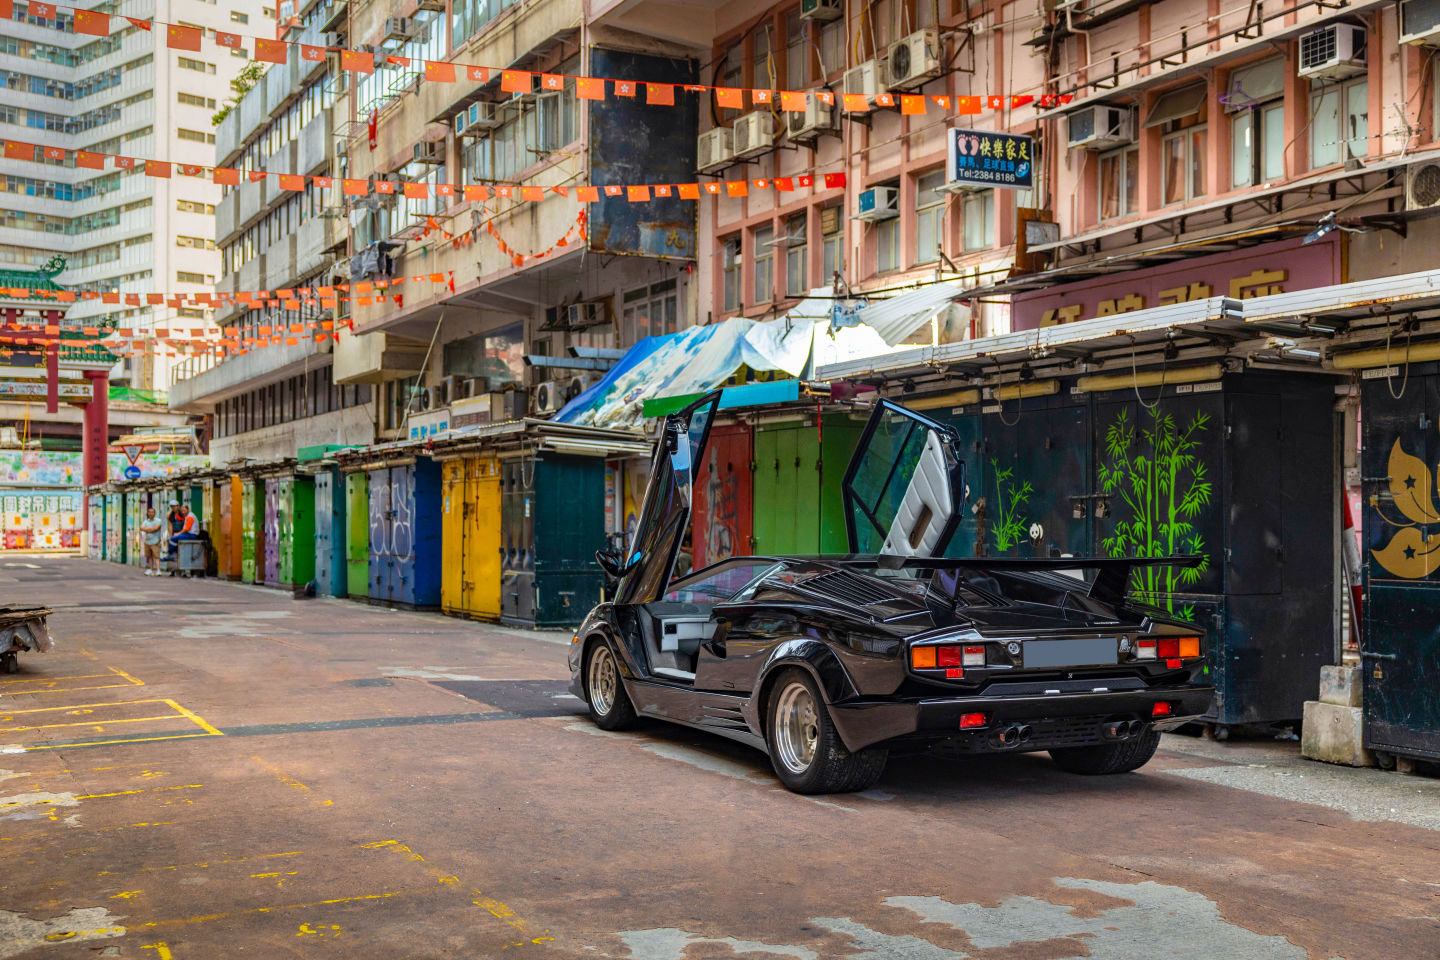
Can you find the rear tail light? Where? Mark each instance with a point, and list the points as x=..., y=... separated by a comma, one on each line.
x=1189, y=647
x=973, y=721
x=1161, y=709
x=1168, y=648
x=1145, y=650
x=952, y=658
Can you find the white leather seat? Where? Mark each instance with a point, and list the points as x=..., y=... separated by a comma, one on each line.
x=927, y=506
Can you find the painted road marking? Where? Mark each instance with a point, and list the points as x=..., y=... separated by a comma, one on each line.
x=101, y=717
x=36, y=685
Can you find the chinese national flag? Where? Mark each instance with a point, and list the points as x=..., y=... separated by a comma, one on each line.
x=792, y=101
x=637, y=194
x=856, y=102
x=1021, y=100
x=729, y=98
x=516, y=81
x=354, y=188
x=356, y=61
x=271, y=51
x=476, y=193
x=659, y=94
x=182, y=38
x=291, y=181
x=439, y=72
x=157, y=168
x=834, y=181
x=689, y=191
x=737, y=188
x=590, y=88
x=587, y=194
x=15, y=150
x=532, y=194
x=416, y=191
x=92, y=22
x=912, y=105
x=967, y=104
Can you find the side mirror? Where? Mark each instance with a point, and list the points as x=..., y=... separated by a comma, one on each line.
x=612, y=563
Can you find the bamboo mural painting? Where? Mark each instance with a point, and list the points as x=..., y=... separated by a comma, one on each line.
x=1164, y=484
x=1010, y=525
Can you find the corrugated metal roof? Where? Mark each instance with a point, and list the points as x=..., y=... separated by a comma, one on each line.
x=897, y=318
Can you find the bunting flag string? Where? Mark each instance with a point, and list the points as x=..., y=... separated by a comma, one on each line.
x=207, y=299
x=183, y=37
x=470, y=192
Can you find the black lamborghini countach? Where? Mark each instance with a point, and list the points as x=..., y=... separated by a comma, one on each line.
x=830, y=663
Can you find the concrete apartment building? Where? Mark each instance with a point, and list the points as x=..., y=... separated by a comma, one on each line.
x=117, y=230
x=268, y=402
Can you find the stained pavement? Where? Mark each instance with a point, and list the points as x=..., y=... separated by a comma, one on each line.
x=212, y=770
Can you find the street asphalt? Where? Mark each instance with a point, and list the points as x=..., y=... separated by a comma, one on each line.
x=206, y=770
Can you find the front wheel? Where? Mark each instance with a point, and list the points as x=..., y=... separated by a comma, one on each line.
x=805, y=748
x=610, y=705
x=1120, y=757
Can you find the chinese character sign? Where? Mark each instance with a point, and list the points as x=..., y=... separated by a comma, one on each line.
x=983, y=158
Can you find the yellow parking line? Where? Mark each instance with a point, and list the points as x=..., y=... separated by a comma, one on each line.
x=7, y=714
x=181, y=713
x=39, y=685
x=94, y=723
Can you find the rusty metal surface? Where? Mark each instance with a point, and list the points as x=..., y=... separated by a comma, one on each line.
x=248, y=774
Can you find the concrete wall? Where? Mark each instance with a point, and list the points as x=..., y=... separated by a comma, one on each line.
x=353, y=425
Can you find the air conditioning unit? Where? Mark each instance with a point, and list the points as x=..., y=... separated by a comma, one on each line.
x=1100, y=127
x=914, y=60
x=715, y=149
x=867, y=79
x=454, y=388
x=1333, y=52
x=477, y=119
x=419, y=400
x=584, y=314
x=1420, y=22
x=508, y=405
x=550, y=396
x=399, y=28
x=428, y=151
x=754, y=134
x=822, y=9
x=435, y=397
x=808, y=124
x=333, y=39
x=877, y=203
x=576, y=385
x=1422, y=185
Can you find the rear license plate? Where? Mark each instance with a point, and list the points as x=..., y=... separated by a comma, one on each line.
x=1075, y=652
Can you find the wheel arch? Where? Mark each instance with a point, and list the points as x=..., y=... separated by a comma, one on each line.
x=810, y=655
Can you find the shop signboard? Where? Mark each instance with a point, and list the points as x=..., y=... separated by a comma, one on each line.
x=985, y=158
x=1257, y=271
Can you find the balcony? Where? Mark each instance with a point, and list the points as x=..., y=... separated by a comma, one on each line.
x=280, y=264
x=312, y=146
x=200, y=393
x=228, y=138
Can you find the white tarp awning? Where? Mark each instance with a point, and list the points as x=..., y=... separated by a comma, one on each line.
x=898, y=317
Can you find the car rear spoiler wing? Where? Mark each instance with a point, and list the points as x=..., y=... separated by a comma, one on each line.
x=1112, y=574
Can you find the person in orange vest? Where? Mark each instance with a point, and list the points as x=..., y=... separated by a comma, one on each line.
x=189, y=530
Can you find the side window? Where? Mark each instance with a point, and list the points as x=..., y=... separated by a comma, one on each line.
x=717, y=583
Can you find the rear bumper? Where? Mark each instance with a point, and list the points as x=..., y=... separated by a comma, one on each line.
x=1075, y=719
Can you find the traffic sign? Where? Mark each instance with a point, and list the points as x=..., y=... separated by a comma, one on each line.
x=133, y=453
x=132, y=472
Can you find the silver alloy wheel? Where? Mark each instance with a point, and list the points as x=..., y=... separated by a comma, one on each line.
x=604, y=679
x=797, y=728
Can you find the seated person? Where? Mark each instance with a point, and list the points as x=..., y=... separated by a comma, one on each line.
x=189, y=529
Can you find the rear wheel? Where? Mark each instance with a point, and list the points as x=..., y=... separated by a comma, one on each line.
x=805, y=747
x=1121, y=757
x=610, y=705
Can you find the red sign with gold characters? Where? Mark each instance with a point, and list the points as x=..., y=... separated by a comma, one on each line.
x=1257, y=271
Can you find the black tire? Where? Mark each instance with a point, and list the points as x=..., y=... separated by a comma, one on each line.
x=813, y=762
x=605, y=695
x=1121, y=757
